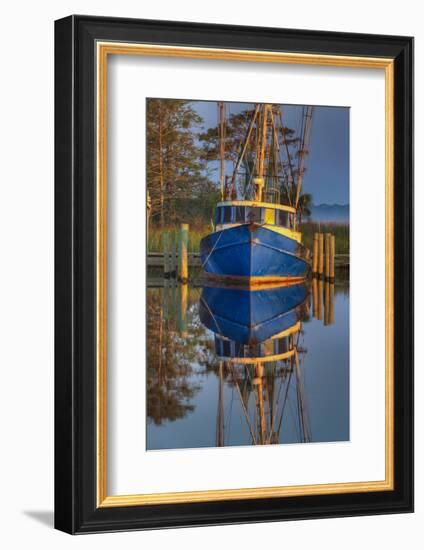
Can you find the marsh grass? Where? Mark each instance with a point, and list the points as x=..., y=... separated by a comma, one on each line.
x=340, y=231
x=196, y=234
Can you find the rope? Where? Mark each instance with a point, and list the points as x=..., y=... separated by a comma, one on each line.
x=213, y=248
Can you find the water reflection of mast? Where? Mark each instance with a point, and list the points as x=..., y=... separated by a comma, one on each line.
x=220, y=415
x=260, y=377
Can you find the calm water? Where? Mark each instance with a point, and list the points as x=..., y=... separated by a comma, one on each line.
x=213, y=380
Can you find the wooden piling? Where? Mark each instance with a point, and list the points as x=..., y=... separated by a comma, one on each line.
x=320, y=298
x=315, y=254
x=165, y=244
x=182, y=310
x=327, y=255
x=331, y=318
x=332, y=256
x=183, y=253
x=320, y=254
x=315, y=297
x=327, y=302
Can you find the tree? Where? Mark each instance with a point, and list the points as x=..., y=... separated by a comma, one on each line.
x=304, y=206
x=175, y=167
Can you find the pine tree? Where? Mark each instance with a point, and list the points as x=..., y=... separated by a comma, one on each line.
x=175, y=168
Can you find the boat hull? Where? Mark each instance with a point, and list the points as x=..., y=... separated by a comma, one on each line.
x=252, y=253
x=250, y=317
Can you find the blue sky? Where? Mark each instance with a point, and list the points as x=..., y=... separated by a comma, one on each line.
x=327, y=165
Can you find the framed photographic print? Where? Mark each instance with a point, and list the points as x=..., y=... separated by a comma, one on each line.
x=234, y=274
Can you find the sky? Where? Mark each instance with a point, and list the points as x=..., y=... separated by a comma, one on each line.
x=327, y=165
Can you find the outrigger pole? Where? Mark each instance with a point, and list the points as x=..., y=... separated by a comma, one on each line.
x=246, y=141
x=307, y=123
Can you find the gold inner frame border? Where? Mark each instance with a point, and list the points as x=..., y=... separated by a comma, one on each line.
x=103, y=50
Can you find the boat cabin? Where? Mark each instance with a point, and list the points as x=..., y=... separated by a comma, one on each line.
x=277, y=349
x=239, y=212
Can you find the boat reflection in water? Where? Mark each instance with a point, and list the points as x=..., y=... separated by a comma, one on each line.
x=256, y=335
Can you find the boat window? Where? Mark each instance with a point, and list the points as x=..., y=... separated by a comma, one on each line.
x=281, y=345
x=239, y=215
x=226, y=218
x=226, y=348
x=253, y=214
x=223, y=214
x=282, y=218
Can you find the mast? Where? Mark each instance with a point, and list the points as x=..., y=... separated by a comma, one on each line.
x=259, y=180
x=258, y=383
x=221, y=117
x=244, y=147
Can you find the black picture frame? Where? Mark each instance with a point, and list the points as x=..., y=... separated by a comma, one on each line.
x=75, y=275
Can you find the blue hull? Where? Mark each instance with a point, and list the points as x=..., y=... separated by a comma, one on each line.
x=253, y=251
x=250, y=317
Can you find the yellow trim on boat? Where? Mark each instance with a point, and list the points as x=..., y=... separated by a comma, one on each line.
x=254, y=360
x=287, y=332
x=295, y=235
x=291, y=330
x=259, y=205
x=245, y=281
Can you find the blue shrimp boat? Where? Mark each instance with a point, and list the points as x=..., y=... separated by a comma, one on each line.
x=257, y=241
x=254, y=244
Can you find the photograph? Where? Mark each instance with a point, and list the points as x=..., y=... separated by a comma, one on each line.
x=247, y=298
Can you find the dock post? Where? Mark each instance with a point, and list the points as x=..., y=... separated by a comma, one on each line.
x=327, y=255
x=315, y=255
x=183, y=253
x=320, y=298
x=320, y=254
x=165, y=245
x=327, y=302
x=331, y=319
x=332, y=255
x=182, y=310
x=315, y=298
